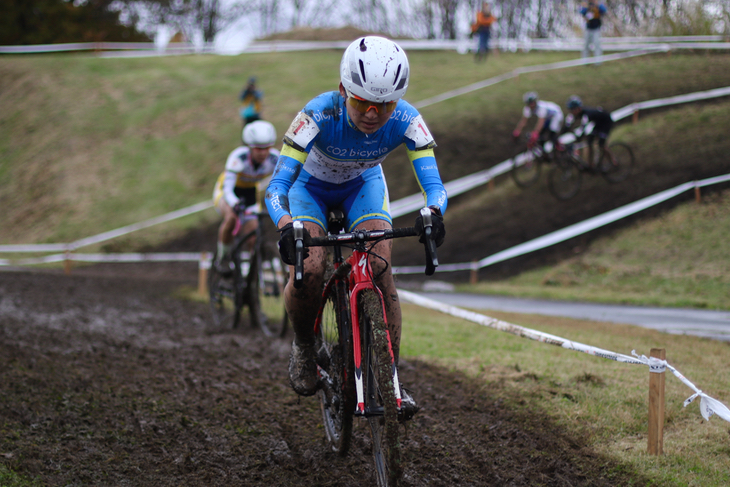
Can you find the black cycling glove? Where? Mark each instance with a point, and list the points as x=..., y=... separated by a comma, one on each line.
x=287, y=244
x=438, y=230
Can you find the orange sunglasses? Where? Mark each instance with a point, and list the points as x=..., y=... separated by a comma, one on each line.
x=362, y=105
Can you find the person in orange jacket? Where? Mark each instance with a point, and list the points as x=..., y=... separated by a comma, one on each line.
x=483, y=28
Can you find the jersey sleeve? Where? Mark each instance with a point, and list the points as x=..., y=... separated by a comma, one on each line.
x=298, y=139
x=428, y=177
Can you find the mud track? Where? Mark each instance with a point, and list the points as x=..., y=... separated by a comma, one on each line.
x=107, y=378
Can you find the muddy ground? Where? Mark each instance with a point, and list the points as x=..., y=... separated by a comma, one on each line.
x=106, y=378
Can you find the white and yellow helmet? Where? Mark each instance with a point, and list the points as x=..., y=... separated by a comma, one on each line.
x=259, y=134
x=375, y=69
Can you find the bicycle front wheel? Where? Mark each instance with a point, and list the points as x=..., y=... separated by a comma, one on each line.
x=526, y=168
x=564, y=179
x=333, y=340
x=224, y=296
x=266, y=282
x=616, y=165
x=381, y=406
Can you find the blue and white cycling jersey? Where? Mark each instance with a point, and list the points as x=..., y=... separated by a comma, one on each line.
x=548, y=110
x=326, y=161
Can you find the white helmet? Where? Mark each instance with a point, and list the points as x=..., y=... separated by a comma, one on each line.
x=259, y=134
x=375, y=69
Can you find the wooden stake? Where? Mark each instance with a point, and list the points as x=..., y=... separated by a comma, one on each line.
x=474, y=277
x=203, y=267
x=490, y=185
x=67, y=263
x=656, y=405
x=635, y=118
x=698, y=195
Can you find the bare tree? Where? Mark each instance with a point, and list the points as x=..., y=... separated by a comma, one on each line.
x=192, y=17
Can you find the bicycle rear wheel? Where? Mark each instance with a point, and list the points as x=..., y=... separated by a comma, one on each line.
x=225, y=297
x=333, y=342
x=526, y=168
x=266, y=282
x=380, y=390
x=617, y=167
x=565, y=178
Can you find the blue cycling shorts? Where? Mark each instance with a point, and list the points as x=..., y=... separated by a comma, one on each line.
x=363, y=198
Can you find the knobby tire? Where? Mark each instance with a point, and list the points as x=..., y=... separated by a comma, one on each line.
x=333, y=342
x=266, y=281
x=380, y=390
x=223, y=300
x=526, y=168
x=565, y=178
x=624, y=162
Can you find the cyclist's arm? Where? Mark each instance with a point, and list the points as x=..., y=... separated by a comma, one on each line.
x=229, y=186
x=419, y=146
x=429, y=180
x=539, y=125
x=287, y=171
x=521, y=124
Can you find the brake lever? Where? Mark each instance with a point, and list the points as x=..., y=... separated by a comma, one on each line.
x=432, y=261
x=298, y=254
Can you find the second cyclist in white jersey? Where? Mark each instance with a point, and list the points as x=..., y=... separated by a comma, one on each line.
x=247, y=167
x=549, y=122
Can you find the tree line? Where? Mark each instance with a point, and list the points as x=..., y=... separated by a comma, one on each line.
x=53, y=21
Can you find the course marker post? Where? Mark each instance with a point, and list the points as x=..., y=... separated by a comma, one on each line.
x=203, y=267
x=67, y=263
x=656, y=401
x=698, y=195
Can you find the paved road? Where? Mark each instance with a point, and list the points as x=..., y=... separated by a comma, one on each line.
x=710, y=324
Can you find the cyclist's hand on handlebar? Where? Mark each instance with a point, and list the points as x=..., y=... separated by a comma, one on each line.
x=287, y=244
x=438, y=230
x=533, y=139
x=516, y=135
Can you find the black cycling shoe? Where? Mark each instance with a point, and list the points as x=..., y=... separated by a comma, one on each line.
x=408, y=407
x=223, y=266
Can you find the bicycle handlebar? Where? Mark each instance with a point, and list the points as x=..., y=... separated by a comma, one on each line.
x=359, y=236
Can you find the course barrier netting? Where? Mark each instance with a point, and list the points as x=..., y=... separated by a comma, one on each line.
x=708, y=405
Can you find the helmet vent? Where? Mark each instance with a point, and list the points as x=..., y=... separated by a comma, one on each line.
x=362, y=71
x=397, y=73
x=363, y=47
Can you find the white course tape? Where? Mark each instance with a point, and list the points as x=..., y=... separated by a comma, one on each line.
x=572, y=230
x=708, y=405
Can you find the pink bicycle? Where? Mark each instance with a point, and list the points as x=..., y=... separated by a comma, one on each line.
x=358, y=376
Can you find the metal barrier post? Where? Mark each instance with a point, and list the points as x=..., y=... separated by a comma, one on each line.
x=203, y=266
x=656, y=404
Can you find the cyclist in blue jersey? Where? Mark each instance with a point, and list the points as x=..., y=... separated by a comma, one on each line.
x=549, y=121
x=332, y=157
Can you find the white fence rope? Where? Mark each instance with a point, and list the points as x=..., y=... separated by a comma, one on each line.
x=572, y=230
x=708, y=405
x=461, y=45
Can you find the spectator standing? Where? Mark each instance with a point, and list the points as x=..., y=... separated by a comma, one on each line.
x=592, y=13
x=251, y=102
x=483, y=28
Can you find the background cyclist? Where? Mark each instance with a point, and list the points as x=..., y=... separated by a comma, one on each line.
x=236, y=189
x=549, y=121
x=593, y=123
x=332, y=157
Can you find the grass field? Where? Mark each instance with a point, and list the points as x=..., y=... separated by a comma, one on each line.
x=88, y=145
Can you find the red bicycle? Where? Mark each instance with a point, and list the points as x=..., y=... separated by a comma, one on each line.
x=358, y=375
